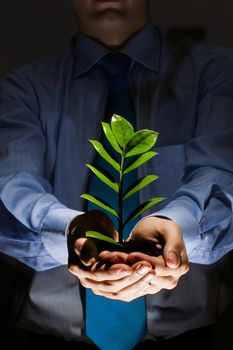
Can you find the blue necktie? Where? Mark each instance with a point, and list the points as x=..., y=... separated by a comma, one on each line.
x=115, y=325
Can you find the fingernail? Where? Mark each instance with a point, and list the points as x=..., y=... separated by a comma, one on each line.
x=142, y=269
x=172, y=256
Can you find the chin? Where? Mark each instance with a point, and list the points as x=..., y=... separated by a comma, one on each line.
x=113, y=21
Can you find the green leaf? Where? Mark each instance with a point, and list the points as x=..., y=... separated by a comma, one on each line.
x=104, y=154
x=138, y=185
x=100, y=203
x=139, y=161
x=110, y=137
x=103, y=178
x=122, y=130
x=143, y=207
x=100, y=236
x=141, y=142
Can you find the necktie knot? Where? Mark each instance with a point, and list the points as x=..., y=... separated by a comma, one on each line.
x=115, y=65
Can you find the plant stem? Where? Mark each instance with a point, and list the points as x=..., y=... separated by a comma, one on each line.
x=120, y=202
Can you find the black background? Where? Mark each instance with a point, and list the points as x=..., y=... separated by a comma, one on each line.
x=31, y=29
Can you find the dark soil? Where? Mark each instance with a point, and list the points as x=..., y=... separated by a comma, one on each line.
x=142, y=246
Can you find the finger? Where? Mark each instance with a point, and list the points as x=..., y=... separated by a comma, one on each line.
x=159, y=265
x=137, y=256
x=149, y=284
x=174, y=245
x=115, y=272
x=172, y=257
x=131, y=292
x=176, y=258
x=87, y=251
x=164, y=270
x=115, y=236
x=116, y=285
x=114, y=257
x=152, y=289
x=167, y=282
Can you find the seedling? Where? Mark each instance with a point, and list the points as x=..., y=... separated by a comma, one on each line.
x=127, y=143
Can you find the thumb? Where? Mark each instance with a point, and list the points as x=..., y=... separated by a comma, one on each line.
x=87, y=251
x=172, y=255
x=174, y=244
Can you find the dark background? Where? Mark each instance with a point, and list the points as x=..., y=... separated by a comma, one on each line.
x=31, y=29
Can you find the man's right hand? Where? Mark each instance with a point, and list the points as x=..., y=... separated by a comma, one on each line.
x=82, y=249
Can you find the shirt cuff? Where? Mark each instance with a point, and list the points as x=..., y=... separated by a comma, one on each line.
x=53, y=232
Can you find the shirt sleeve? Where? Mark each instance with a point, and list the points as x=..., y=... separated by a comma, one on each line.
x=33, y=221
x=202, y=206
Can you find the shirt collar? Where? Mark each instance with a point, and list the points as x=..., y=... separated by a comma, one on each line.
x=143, y=47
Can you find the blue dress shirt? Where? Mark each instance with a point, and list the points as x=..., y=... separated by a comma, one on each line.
x=49, y=110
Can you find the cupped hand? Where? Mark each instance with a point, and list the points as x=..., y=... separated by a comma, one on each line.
x=83, y=250
x=167, y=233
x=173, y=263
x=113, y=278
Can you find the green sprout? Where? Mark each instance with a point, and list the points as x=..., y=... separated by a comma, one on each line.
x=127, y=143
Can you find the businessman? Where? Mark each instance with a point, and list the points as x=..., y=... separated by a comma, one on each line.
x=48, y=111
